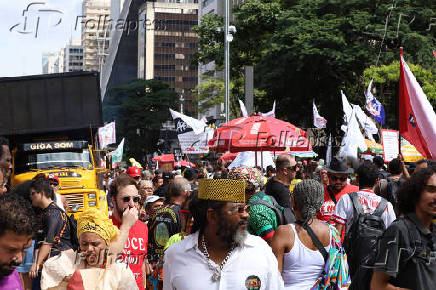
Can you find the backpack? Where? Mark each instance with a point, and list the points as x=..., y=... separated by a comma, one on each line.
x=391, y=191
x=335, y=272
x=284, y=214
x=72, y=224
x=361, y=241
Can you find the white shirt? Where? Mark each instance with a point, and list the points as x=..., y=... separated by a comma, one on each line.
x=344, y=211
x=186, y=267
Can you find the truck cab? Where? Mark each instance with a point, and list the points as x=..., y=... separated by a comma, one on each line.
x=75, y=164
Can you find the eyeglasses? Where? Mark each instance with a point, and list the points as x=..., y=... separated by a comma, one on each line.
x=135, y=199
x=293, y=168
x=137, y=177
x=430, y=188
x=54, y=184
x=240, y=209
x=147, y=188
x=334, y=178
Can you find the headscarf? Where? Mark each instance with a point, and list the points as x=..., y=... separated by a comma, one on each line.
x=251, y=176
x=95, y=221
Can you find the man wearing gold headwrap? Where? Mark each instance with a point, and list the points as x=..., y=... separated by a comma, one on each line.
x=97, y=266
x=220, y=254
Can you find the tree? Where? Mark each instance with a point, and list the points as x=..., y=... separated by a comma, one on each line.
x=386, y=83
x=311, y=49
x=139, y=109
x=211, y=92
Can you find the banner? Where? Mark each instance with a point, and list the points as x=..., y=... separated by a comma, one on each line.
x=117, y=154
x=193, y=134
x=373, y=106
x=318, y=121
x=417, y=117
x=390, y=142
x=106, y=135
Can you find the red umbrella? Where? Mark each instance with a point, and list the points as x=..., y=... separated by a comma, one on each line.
x=257, y=133
x=166, y=158
x=228, y=156
x=184, y=163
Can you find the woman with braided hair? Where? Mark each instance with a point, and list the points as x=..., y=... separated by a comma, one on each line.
x=302, y=247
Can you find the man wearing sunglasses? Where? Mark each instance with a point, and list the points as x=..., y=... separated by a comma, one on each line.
x=278, y=186
x=338, y=173
x=124, y=193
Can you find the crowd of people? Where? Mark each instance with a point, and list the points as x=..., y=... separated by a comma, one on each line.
x=301, y=224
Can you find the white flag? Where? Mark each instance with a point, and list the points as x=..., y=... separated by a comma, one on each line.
x=106, y=135
x=366, y=122
x=318, y=121
x=117, y=154
x=243, y=109
x=271, y=113
x=328, y=157
x=197, y=125
x=353, y=138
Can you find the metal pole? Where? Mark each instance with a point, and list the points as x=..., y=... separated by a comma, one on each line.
x=227, y=59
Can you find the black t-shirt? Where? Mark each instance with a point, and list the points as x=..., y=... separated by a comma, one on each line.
x=164, y=223
x=56, y=229
x=407, y=253
x=279, y=191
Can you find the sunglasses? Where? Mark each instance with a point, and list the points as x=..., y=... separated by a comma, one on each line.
x=54, y=184
x=334, y=178
x=430, y=188
x=135, y=199
x=293, y=168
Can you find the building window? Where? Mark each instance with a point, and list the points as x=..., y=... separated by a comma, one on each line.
x=166, y=79
x=190, y=79
x=164, y=67
x=164, y=56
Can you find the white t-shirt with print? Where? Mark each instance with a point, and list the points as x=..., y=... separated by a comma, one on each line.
x=344, y=211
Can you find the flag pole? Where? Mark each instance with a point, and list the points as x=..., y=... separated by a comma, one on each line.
x=399, y=100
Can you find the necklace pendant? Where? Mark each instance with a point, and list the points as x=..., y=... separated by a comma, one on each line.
x=216, y=275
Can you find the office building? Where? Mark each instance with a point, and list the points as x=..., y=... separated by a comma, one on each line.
x=71, y=57
x=50, y=63
x=166, y=43
x=95, y=33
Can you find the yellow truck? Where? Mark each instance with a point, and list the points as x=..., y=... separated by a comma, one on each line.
x=51, y=121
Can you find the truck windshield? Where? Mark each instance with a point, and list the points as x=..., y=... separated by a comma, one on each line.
x=49, y=160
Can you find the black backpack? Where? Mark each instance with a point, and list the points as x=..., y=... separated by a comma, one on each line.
x=391, y=191
x=361, y=242
x=284, y=214
x=72, y=224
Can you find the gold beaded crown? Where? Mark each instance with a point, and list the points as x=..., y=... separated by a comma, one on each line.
x=222, y=190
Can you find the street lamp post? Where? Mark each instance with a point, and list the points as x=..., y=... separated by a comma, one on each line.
x=181, y=103
x=227, y=59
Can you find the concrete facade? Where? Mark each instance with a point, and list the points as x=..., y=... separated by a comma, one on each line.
x=95, y=33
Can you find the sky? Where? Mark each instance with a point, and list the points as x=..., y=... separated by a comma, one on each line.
x=20, y=51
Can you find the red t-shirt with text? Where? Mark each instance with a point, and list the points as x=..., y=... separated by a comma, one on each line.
x=135, y=249
x=328, y=207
